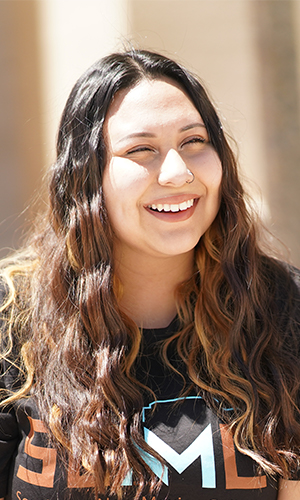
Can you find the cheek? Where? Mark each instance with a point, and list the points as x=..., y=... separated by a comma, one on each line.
x=122, y=175
x=124, y=182
x=209, y=172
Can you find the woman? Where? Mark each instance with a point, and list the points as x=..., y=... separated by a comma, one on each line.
x=150, y=347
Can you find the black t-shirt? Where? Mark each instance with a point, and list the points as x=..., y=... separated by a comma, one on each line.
x=201, y=459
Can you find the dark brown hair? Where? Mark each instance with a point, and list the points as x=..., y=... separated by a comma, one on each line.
x=78, y=348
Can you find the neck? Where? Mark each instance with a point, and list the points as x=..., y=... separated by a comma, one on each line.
x=148, y=286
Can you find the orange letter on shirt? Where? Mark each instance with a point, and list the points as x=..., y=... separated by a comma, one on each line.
x=77, y=480
x=233, y=481
x=46, y=455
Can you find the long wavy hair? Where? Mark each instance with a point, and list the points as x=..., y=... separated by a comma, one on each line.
x=78, y=349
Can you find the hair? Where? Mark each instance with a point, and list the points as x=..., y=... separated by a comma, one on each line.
x=78, y=349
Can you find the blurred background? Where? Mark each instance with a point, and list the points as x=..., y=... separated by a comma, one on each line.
x=247, y=53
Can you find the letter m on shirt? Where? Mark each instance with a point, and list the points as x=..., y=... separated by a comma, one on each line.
x=201, y=447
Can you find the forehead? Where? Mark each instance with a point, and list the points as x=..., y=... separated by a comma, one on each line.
x=151, y=102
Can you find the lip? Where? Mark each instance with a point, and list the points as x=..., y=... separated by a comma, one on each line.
x=174, y=216
x=173, y=200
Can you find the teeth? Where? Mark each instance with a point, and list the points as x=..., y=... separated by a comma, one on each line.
x=166, y=207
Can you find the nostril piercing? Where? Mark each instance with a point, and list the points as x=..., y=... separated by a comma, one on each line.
x=193, y=177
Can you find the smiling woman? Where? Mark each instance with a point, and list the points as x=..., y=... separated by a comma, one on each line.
x=150, y=348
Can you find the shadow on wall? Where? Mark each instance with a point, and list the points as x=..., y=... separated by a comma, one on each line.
x=277, y=57
x=21, y=155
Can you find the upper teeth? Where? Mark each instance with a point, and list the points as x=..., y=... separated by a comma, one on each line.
x=173, y=207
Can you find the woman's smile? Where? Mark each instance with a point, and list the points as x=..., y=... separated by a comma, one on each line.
x=173, y=204
x=172, y=211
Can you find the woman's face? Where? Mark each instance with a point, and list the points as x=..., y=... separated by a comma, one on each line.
x=154, y=135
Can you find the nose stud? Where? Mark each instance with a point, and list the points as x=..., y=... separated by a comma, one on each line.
x=193, y=177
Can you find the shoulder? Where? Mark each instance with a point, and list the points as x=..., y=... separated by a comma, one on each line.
x=280, y=275
x=288, y=281
x=10, y=344
x=283, y=288
x=4, y=291
x=295, y=275
x=294, y=291
x=4, y=308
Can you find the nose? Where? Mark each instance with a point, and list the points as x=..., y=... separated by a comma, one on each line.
x=173, y=170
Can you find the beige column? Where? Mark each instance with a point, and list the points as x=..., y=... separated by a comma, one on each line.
x=277, y=24
x=73, y=35
x=21, y=157
x=44, y=47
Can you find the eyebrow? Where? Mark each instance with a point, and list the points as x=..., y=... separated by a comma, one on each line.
x=136, y=134
x=192, y=125
x=150, y=135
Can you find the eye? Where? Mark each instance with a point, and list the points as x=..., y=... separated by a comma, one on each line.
x=139, y=149
x=194, y=140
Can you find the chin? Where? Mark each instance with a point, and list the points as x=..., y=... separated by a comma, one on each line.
x=176, y=250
